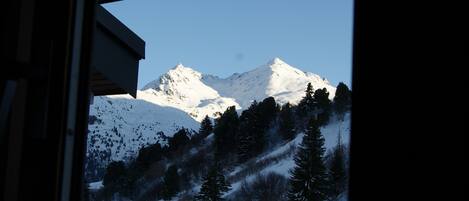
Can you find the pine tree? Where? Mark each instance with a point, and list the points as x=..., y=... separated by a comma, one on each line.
x=253, y=127
x=267, y=110
x=286, y=123
x=118, y=179
x=179, y=139
x=205, y=127
x=249, y=129
x=322, y=105
x=170, y=183
x=245, y=143
x=337, y=170
x=115, y=171
x=307, y=104
x=342, y=99
x=309, y=180
x=306, y=107
x=225, y=131
x=321, y=97
x=214, y=185
x=148, y=155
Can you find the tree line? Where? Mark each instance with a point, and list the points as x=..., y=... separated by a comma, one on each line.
x=237, y=139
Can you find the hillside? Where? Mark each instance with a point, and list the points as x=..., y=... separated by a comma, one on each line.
x=181, y=98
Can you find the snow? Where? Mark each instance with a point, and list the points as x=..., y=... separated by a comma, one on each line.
x=127, y=124
x=182, y=88
x=281, y=149
x=331, y=131
x=95, y=185
x=276, y=78
x=202, y=94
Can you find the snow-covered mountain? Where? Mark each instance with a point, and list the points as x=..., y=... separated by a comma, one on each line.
x=276, y=78
x=203, y=94
x=120, y=125
x=182, y=88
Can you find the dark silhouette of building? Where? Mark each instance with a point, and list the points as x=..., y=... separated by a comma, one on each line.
x=55, y=55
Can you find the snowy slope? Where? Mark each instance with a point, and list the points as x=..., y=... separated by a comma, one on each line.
x=182, y=88
x=284, y=154
x=121, y=125
x=276, y=78
x=281, y=157
x=330, y=133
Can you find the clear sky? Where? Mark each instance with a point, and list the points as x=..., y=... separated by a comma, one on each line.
x=221, y=37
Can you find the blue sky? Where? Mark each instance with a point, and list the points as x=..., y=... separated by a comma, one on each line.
x=221, y=37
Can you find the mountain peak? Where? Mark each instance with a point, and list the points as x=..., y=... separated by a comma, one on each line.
x=177, y=74
x=179, y=66
x=276, y=61
x=181, y=71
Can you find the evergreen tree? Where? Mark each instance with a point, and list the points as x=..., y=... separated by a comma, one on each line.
x=253, y=127
x=179, y=139
x=205, y=127
x=286, y=123
x=322, y=105
x=225, y=131
x=342, y=99
x=148, y=155
x=309, y=180
x=307, y=104
x=116, y=179
x=267, y=111
x=337, y=170
x=245, y=144
x=114, y=173
x=321, y=97
x=214, y=185
x=249, y=130
x=170, y=183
